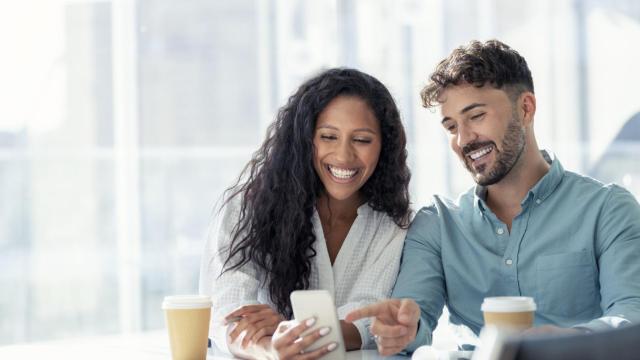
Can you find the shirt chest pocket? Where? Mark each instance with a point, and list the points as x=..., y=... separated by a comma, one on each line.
x=566, y=283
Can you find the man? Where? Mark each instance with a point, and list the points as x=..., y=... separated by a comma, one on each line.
x=528, y=228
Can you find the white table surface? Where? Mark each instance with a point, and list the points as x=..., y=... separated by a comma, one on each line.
x=150, y=345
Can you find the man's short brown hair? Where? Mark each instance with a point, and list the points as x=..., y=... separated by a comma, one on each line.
x=477, y=63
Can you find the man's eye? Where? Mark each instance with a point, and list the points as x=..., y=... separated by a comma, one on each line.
x=475, y=117
x=450, y=128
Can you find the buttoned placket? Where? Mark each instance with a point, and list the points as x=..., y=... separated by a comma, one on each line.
x=518, y=231
x=510, y=242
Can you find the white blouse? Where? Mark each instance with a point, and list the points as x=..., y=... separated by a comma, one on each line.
x=363, y=272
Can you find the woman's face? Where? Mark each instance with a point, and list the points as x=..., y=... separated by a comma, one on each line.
x=347, y=144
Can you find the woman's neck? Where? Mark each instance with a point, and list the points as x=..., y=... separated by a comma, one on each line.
x=333, y=211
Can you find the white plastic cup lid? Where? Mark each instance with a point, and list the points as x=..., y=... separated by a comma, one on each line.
x=186, y=302
x=508, y=304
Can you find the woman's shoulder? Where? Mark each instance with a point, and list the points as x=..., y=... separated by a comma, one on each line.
x=230, y=207
x=386, y=226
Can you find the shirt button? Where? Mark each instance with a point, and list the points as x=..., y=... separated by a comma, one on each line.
x=500, y=231
x=538, y=201
x=509, y=262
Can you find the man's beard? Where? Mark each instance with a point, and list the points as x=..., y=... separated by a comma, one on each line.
x=513, y=144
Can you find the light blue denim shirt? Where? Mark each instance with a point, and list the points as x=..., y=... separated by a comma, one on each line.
x=575, y=248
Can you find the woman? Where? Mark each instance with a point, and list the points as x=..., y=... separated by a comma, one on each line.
x=323, y=204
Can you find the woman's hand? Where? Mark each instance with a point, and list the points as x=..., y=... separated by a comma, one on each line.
x=255, y=321
x=287, y=342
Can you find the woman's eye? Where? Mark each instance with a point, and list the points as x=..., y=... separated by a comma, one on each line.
x=328, y=137
x=361, y=140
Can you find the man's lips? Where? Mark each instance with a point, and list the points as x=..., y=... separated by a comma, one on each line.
x=480, y=153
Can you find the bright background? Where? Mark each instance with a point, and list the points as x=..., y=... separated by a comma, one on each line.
x=121, y=122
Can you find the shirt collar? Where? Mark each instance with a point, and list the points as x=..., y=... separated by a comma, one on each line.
x=540, y=191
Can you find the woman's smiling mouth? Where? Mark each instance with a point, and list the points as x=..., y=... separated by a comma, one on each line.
x=342, y=174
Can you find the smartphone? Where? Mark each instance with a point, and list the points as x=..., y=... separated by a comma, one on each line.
x=319, y=304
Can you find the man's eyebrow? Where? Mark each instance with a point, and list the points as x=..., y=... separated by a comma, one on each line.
x=471, y=107
x=464, y=110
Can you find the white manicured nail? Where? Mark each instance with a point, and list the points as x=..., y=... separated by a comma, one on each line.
x=310, y=322
x=324, y=331
x=332, y=346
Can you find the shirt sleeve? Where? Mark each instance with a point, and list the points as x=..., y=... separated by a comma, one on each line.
x=618, y=246
x=376, y=279
x=230, y=289
x=421, y=276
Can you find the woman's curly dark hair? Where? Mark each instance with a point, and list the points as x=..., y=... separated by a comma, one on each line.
x=492, y=62
x=279, y=186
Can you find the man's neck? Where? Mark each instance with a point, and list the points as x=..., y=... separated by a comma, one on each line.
x=504, y=197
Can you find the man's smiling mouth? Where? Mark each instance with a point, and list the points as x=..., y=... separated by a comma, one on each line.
x=480, y=153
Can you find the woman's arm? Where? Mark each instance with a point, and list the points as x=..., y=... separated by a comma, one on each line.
x=351, y=335
x=234, y=293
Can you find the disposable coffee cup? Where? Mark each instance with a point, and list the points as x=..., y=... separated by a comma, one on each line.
x=514, y=312
x=187, y=318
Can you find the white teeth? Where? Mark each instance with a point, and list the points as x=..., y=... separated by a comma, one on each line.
x=480, y=153
x=342, y=173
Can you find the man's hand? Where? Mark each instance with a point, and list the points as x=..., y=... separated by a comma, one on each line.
x=394, y=325
x=550, y=329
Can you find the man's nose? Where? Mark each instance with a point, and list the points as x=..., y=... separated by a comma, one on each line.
x=465, y=136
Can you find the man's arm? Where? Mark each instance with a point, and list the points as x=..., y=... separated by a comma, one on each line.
x=419, y=291
x=421, y=276
x=618, y=246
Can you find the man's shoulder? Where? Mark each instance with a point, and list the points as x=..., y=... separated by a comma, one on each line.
x=585, y=185
x=440, y=206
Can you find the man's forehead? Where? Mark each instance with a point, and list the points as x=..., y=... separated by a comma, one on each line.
x=455, y=99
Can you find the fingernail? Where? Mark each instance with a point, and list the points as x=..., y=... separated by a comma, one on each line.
x=324, y=331
x=310, y=321
x=231, y=320
x=332, y=346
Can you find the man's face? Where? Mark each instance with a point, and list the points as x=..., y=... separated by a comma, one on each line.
x=485, y=130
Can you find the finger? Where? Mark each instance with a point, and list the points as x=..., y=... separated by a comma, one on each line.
x=265, y=331
x=252, y=329
x=390, y=331
x=409, y=312
x=389, y=343
x=232, y=320
x=238, y=328
x=385, y=351
x=373, y=310
x=290, y=335
x=317, y=353
x=246, y=309
x=269, y=315
x=302, y=344
x=248, y=335
x=259, y=317
x=253, y=317
x=284, y=326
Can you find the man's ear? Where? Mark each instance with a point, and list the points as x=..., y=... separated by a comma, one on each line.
x=527, y=107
